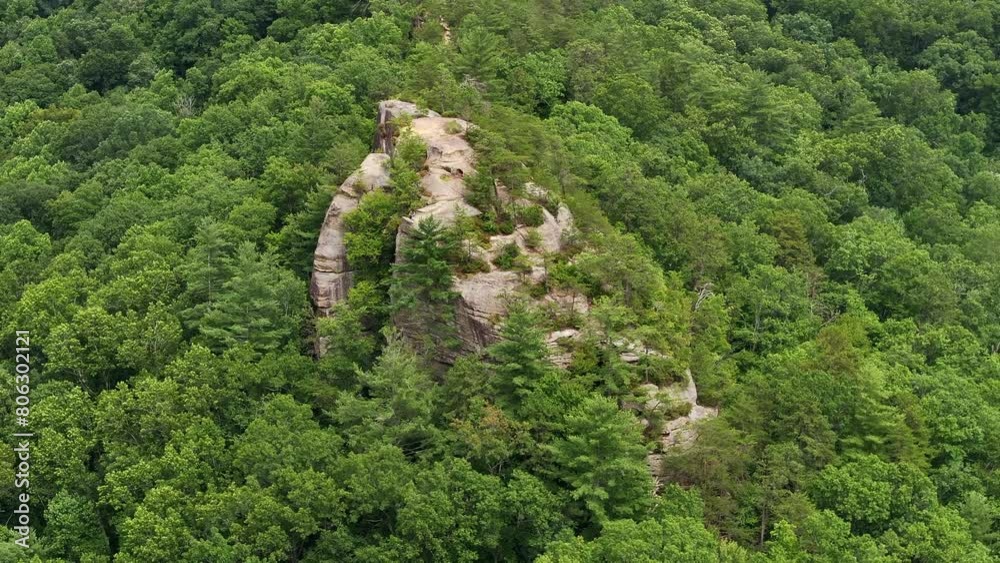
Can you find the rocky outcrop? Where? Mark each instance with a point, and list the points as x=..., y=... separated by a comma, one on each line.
x=332, y=276
x=482, y=304
x=482, y=297
x=389, y=114
x=679, y=432
x=449, y=159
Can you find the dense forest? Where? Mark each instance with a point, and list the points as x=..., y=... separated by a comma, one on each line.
x=795, y=201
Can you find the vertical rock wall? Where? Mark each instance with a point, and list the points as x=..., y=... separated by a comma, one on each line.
x=332, y=275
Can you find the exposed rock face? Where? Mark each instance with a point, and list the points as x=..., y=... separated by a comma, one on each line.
x=481, y=306
x=483, y=297
x=680, y=432
x=446, y=36
x=482, y=300
x=449, y=158
x=388, y=113
x=560, y=343
x=332, y=276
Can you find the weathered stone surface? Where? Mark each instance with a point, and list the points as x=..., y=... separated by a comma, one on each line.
x=332, y=276
x=503, y=193
x=445, y=212
x=560, y=344
x=551, y=232
x=447, y=148
x=536, y=191
x=446, y=31
x=481, y=308
x=498, y=242
x=483, y=297
x=449, y=158
x=680, y=432
x=388, y=112
x=564, y=217
x=439, y=185
x=550, y=235
x=482, y=305
x=631, y=352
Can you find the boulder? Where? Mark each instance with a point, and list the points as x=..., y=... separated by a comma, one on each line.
x=551, y=232
x=560, y=346
x=535, y=191
x=564, y=217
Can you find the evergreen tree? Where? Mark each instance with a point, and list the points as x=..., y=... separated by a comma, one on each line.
x=603, y=462
x=796, y=200
x=393, y=402
x=260, y=305
x=521, y=357
x=205, y=269
x=421, y=289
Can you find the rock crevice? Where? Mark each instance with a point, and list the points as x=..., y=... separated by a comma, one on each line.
x=332, y=276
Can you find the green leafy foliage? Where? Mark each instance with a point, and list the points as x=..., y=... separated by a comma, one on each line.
x=797, y=201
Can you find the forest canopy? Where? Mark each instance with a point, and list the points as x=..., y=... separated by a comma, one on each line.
x=796, y=202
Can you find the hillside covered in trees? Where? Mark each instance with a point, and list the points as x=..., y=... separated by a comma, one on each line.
x=792, y=204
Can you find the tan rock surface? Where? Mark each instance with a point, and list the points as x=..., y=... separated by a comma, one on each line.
x=332, y=276
x=680, y=432
x=481, y=305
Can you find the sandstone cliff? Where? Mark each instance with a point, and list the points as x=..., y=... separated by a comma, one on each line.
x=332, y=276
x=482, y=297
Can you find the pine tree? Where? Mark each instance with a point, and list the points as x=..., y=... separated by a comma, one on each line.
x=392, y=402
x=602, y=460
x=421, y=290
x=261, y=304
x=204, y=271
x=481, y=54
x=521, y=357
